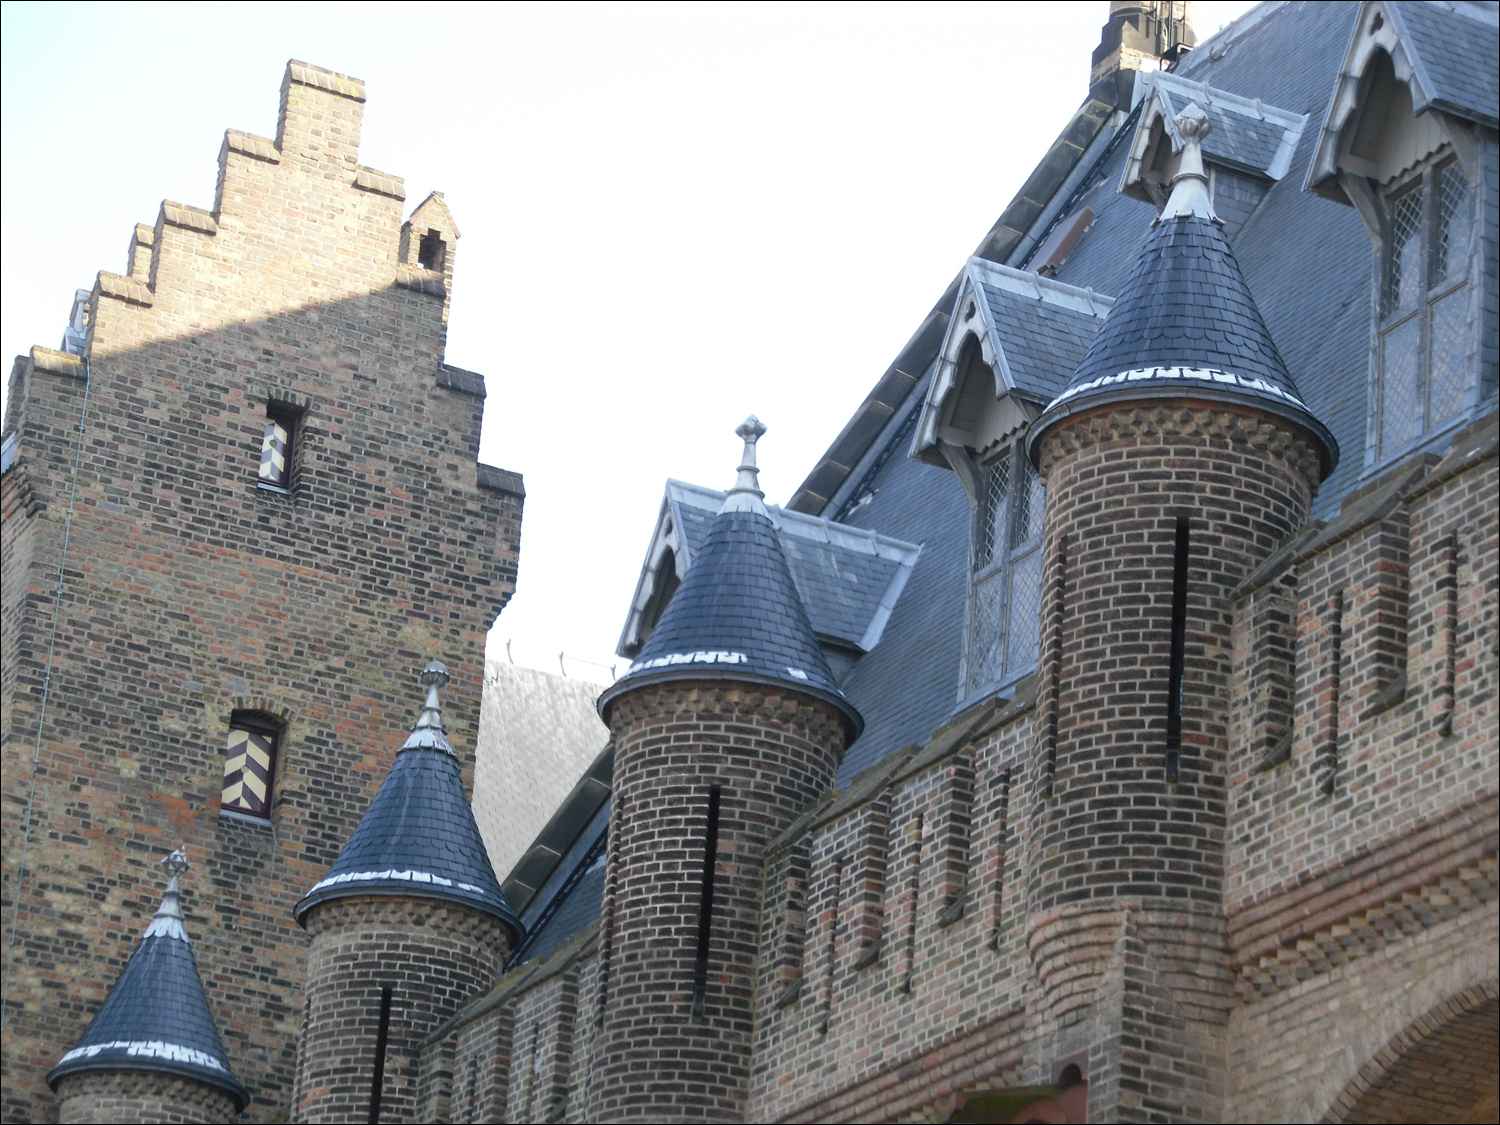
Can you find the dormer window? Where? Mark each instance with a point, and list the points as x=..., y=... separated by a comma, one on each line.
x=1423, y=362
x=1007, y=572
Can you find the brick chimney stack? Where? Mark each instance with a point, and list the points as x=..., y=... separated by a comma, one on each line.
x=1141, y=35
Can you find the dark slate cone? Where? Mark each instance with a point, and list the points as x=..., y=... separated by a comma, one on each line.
x=1186, y=326
x=737, y=615
x=156, y=1017
x=418, y=837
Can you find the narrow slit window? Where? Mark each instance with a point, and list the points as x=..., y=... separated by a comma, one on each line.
x=1179, y=650
x=276, y=449
x=382, y=1035
x=250, y=766
x=706, y=902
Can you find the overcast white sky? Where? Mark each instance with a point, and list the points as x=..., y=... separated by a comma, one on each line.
x=671, y=216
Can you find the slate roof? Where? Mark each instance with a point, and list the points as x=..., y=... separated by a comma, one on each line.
x=1186, y=324
x=418, y=837
x=1454, y=48
x=736, y=616
x=1248, y=134
x=156, y=1016
x=849, y=580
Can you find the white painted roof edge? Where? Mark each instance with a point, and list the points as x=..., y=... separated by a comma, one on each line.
x=1025, y=283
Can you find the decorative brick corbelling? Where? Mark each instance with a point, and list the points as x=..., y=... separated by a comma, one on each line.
x=1366, y=900
x=1249, y=428
x=811, y=718
x=140, y=1095
x=423, y=281
x=403, y=911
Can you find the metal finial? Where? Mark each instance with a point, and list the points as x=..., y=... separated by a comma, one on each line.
x=746, y=495
x=168, y=920
x=430, y=733
x=1190, y=184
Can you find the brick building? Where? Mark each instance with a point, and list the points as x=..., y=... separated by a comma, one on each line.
x=1106, y=729
x=242, y=510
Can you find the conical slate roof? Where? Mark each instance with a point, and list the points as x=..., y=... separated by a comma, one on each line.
x=418, y=837
x=156, y=1016
x=737, y=614
x=1185, y=324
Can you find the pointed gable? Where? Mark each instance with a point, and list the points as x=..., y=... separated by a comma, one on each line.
x=1030, y=331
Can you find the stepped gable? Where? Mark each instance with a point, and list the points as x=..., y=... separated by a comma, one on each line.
x=737, y=615
x=1185, y=324
x=418, y=837
x=156, y=1017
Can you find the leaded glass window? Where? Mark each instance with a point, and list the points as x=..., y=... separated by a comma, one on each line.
x=1007, y=573
x=250, y=766
x=1424, y=353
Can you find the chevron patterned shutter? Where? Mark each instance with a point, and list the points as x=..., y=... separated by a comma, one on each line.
x=275, y=454
x=249, y=769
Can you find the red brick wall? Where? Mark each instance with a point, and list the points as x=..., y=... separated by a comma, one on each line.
x=191, y=593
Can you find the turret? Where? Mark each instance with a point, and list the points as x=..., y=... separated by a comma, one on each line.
x=726, y=727
x=153, y=1052
x=408, y=923
x=1178, y=457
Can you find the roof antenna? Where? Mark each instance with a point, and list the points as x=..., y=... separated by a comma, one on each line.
x=746, y=495
x=1190, y=185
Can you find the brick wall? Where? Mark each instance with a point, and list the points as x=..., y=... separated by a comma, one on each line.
x=664, y=1056
x=122, y=1095
x=191, y=593
x=432, y=956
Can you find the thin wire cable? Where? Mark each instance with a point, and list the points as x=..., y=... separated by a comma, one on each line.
x=36, y=754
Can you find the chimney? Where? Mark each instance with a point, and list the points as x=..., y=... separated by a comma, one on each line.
x=1141, y=35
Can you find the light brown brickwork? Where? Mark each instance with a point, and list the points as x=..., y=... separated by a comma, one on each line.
x=137, y=1095
x=431, y=955
x=190, y=593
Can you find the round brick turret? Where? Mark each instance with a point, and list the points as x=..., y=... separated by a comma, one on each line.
x=408, y=923
x=726, y=729
x=1178, y=458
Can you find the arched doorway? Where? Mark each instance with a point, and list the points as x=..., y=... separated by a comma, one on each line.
x=1442, y=1068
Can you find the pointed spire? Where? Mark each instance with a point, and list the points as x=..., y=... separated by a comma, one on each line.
x=746, y=495
x=430, y=733
x=738, y=615
x=156, y=1017
x=1190, y=185
x=418, y=837
x=1185, y=325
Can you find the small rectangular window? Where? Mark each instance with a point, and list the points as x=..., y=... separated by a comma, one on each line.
x=250, y=766
x=276, y=448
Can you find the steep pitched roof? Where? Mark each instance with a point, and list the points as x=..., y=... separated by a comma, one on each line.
x=418, y=837
x=1032, y=330
x=156, y=1017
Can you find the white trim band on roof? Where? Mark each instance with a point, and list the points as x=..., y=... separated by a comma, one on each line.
x=1175, y=374
x=689, y=658
x=149, y=1049
x=401, y=876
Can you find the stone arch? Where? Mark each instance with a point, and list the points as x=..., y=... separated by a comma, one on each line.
x=1440, y=1067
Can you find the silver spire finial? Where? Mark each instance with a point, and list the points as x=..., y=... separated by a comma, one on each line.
x=429, y=733
x=746, y=495
x=168, y=920
x=1190, y=185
